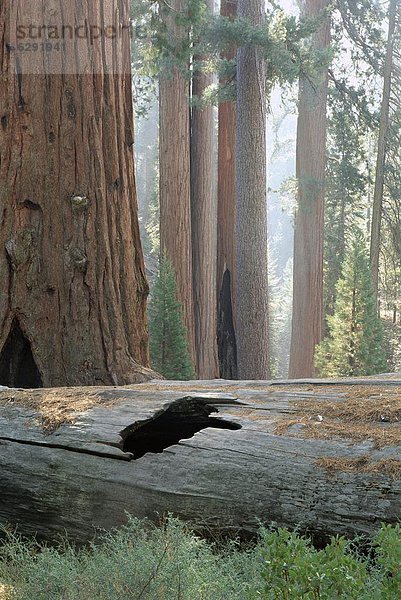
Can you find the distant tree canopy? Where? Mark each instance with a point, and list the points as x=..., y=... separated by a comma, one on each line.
x=284, y=39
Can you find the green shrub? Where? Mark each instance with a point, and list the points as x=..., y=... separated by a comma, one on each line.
x=167, y=563
x=136, y=562
x=294, y=569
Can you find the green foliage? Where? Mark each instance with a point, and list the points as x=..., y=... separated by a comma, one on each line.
x=388, y=548
x=363, y=21
x=168, y=344
x=346, y=187
x=359, y=38
x=141, y=561
x=137, y=562
x=287, y=44
x=354, y=345
x=285, y=40
x=294, y=569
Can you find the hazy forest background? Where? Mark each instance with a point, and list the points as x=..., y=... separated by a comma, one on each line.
x=346, y=272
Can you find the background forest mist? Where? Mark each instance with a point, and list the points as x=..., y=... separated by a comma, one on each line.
x=353, y=124
x=281, y=198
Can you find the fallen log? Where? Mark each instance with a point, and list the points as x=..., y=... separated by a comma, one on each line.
x=323, y=455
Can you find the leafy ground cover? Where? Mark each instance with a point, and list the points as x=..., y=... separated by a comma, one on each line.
x=170, y=562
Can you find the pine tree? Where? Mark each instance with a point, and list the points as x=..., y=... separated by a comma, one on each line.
x=346, y=188
x=355, y=344
x=168, y=340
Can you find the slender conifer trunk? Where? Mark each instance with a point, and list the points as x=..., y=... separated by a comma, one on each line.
x=175, y=187
x=307, y=314
x=204, y=232
x=226, y=259
x=251, y=208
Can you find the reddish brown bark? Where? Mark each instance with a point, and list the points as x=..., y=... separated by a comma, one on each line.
x=204, y=222
x=71, y=267
x=307, y=315
x=175, y=186
x=226, y=261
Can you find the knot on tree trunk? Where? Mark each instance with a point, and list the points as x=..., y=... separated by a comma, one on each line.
x=79, y=259
x=79, y=202
x=20, y=248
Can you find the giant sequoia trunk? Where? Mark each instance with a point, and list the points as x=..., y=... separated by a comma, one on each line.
x=251, y=209
x=226, y=260
x=323, y=455
x=72, y=307
x=204, y=219
x=175, y=186
x=307, y=314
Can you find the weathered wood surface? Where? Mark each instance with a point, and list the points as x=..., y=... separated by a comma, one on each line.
x=78, y=478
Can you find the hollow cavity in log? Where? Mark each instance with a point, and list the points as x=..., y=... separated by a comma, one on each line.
x=17, y=365
x=180, y=421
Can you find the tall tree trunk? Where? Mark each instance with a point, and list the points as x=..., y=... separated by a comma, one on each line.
x=72, y=307
x=307, y=314
x=175, y=188
x=251, y=207
x=226, y=259
x=204, y=232
x=381, y=151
